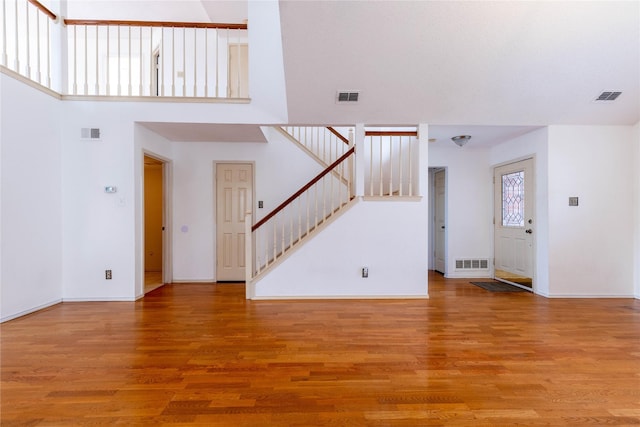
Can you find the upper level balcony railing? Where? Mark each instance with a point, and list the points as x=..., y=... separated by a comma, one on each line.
x=124, y=58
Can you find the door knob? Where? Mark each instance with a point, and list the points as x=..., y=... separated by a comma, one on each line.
x=442, y=227
x=528, y=231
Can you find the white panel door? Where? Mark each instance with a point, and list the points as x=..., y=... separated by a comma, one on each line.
x=514, y=224
x=439, y=229
x=234, y=197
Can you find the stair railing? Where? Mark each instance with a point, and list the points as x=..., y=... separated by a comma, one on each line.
x=325, y=144
x=297, y=217
x=27, y=38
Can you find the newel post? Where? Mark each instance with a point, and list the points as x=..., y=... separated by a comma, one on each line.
x=248, y=256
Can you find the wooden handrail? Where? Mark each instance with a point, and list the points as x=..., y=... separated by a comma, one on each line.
x=155, y=24
x=338, y=134
x=297, y=194
x=44, y=9
x=391, y=133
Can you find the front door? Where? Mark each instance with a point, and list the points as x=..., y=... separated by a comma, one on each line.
x=514, y=223
x=234, y=197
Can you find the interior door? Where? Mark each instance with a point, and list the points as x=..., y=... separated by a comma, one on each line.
x=234, y=197
x=514, y=223
x=238, y=71
x=439, y=228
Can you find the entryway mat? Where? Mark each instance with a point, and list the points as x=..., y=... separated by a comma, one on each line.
x=497, y=287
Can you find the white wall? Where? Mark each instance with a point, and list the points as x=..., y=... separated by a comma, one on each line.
x=636, y=132
x=591, y=246
x=31, y=207
x=468, y=206
x=279, y=170
x=99, y=228
x=330, y=263
x=388, y=237
x=533, y=144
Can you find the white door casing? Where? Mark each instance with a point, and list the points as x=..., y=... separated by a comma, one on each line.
x=234, y=198
x=439, y=226
x=514, y=200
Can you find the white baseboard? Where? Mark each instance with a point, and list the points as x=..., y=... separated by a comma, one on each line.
x=589, y=296
x=100, y=299
x=29, y=311
x=211, y=281
x=473, y=274
x=336, y=297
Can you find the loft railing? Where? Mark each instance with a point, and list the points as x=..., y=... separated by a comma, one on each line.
x=297, y=217
x=140, y=58
x=27, y=38
x=124, y=58
x=391, y=163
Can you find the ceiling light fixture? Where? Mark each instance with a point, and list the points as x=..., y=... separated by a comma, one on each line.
x=461, y=140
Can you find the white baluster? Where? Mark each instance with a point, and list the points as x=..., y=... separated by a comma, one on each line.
x=184, y=62
x=217, y=60
x=119, y=84
x=206, y=62
x=39, y=71
x=28, y=42
x=108, y=64
x=97, y=88
x=248, y=249
x=380, y=168
x=173, y=61
x=48, y=54
x=141, y=71
x=17, y=53
x=5, y=58
x=410, y=168
x=238, y=94
x=75, y=60
x=86, y=61
x=400, y=165
x=195, y=62
x=129, y=67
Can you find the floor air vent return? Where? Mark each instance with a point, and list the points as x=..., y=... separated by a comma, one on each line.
x=472, y=264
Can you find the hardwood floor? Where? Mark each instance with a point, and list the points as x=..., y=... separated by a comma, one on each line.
x=201, y=354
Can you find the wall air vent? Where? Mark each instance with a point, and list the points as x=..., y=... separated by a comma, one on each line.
x=608, y=96
x=90, y=134
x=347, y=96
x=472, y=264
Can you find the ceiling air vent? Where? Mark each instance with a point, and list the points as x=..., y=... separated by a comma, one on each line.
x=608, y=96
x=351, y=96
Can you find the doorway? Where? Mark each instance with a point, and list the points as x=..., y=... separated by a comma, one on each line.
x=154, y=219
x=514, y=205
x=234, y=198
x=439, y=226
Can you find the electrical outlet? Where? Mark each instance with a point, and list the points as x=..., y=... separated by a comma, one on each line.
x=107, y=274
x=365, y=272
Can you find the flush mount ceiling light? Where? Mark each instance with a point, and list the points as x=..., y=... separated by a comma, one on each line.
x=461, y=140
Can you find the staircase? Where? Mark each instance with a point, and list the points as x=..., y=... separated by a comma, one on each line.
x=310, y=208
